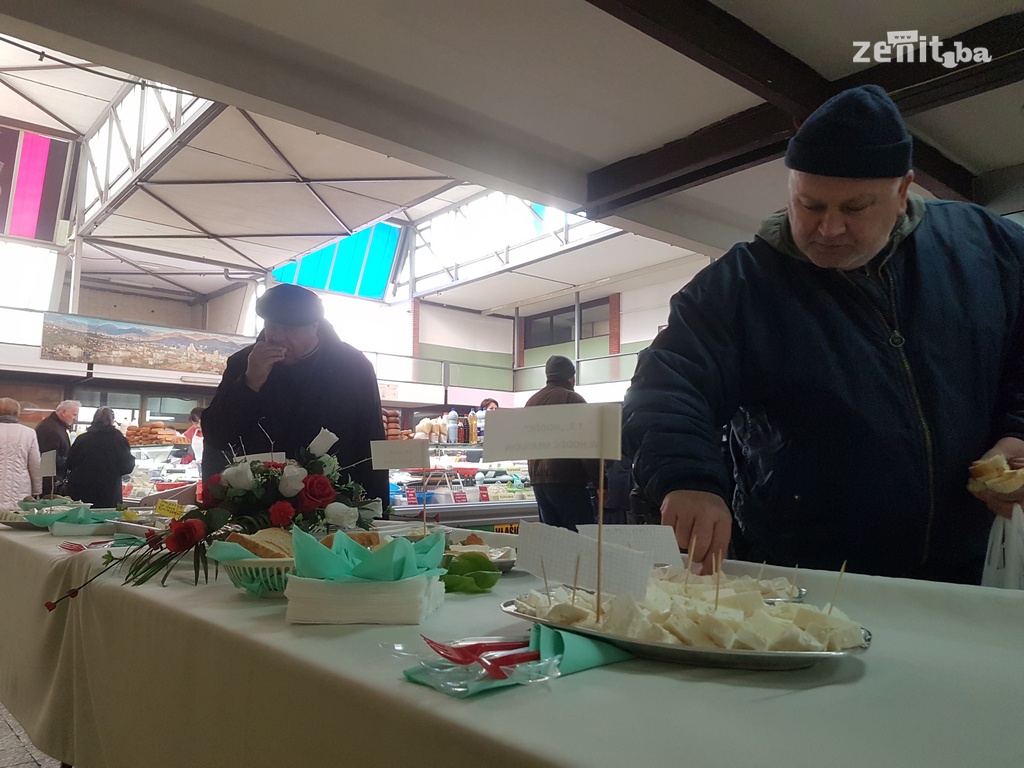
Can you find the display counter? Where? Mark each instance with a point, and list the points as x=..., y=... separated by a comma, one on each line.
x=473, y=515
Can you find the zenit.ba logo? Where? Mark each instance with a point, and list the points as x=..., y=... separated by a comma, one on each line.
x=911, y=47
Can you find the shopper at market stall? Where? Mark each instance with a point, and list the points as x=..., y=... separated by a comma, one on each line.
x=561, y=485
x=864, y=349
x=97, y=462
x=19, y=457
x=52, y=433
x=194, y=434
x=297, y=378
x=489, y=404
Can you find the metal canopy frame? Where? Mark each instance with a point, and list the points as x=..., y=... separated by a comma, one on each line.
x=715, y=39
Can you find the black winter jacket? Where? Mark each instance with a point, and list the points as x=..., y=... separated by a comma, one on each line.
x=52, y=434
x=857, y=400
x=96, y=463
x=334, y=388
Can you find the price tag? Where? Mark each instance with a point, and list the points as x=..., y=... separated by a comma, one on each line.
x=460, y=497
x=502, y=495
x=410, y=496
x=168, y=509
x=484, y=493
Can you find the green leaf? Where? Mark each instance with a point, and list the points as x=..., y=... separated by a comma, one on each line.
x=471, y=583
x=468, y=562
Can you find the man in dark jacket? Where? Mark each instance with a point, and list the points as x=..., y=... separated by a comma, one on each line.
x=52, y=434
x=297, y=378
x=865, y=348
x=560, y=485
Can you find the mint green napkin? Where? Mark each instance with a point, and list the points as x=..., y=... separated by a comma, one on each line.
x=347, y=560
x=577, y=652
x=25, y=506
x=76, y=516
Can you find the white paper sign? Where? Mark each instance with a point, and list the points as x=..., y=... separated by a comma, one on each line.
x=272, y=457
x=575, y=431
x=659, y=540
x=399, y=454
x=624, y=571
x=48, y=464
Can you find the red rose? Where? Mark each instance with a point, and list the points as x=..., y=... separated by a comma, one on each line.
x=317, y=492
x=274, y=464
x=281, y=514
x=207, y=499
x=185, y=534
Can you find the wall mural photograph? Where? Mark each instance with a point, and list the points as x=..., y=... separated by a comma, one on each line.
x=78, y=339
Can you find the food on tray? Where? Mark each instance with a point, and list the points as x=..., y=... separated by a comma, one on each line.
x=669, y=615
x=368, y=539
x=266, y=542
x=995, y=474
x=473, y=539
x=778, y=588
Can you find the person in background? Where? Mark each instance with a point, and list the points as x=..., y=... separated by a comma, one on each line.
x=97, y=461
x=865, y=348
x=489, y=404
x=195, y=436
x=297, y=378
x=52, y=433
x=561, y=485
x=19, y=457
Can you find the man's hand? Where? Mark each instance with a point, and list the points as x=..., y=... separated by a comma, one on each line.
x=1002, y=503
x=703, y=518
x=263, y=357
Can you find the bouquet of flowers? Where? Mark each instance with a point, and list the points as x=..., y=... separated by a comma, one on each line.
x=248, y=495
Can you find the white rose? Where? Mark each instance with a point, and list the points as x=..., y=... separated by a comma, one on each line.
x=341, y=515
x=238, y=476
x=322, y=443
x=291, y=480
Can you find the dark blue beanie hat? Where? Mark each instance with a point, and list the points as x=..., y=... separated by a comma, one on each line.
x=857, y=134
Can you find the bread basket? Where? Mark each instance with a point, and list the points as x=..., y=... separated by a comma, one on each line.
x=260, y=576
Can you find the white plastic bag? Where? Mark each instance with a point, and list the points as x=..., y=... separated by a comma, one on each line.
x=1004, y=563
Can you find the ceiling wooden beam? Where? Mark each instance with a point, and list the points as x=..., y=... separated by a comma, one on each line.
x=706, y=34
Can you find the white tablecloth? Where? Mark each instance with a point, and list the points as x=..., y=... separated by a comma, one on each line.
x=208, y=676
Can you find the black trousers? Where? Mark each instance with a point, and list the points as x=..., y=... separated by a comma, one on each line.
x=564, y=505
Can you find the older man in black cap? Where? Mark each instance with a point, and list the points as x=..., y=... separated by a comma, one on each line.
x=297, y=378
x=561, y=485
x=864, y=349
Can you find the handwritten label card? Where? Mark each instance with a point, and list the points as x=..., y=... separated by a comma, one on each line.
x=460, y=497
x=624, y=571
x=576, y=431
x=484, y=493
x=659, y=540
x=168, y=509
x=410, y=496
x=399, y=454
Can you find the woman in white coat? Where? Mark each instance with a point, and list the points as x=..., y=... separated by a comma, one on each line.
x=19, y=457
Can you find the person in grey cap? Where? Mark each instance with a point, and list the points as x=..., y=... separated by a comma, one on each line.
x=297, y=378
x=561, y=486
x=862, y=351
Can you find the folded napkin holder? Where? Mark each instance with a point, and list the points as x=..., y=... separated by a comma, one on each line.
x=409, y=601
x=350, y=584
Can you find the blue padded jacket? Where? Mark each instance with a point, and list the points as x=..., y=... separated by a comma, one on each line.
x=855, y=401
